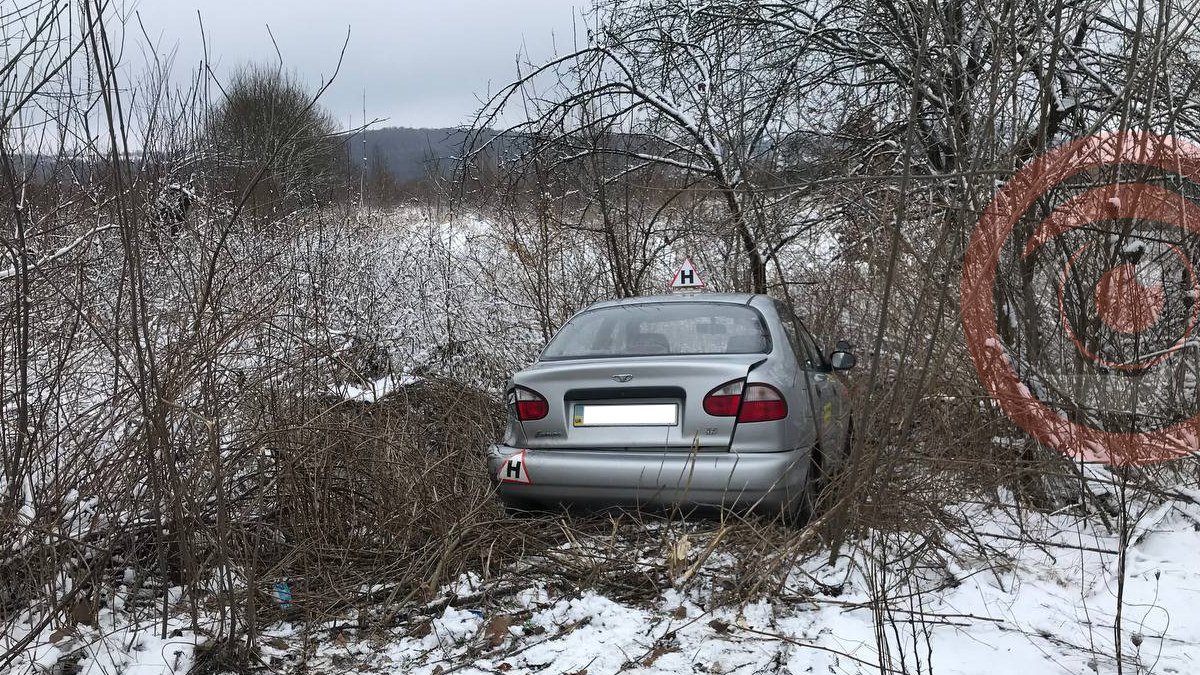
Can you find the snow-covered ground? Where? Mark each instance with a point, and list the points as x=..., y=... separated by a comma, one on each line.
x=1044, y=604
x=1024, y=607
x=1024, y=594
x=115, y=643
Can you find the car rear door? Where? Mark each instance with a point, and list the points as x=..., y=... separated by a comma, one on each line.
x=823, y=389
x=830, y=393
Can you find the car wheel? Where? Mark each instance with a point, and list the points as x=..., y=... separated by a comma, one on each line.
x=848, y=445
x=807, y=502
x=833, y=480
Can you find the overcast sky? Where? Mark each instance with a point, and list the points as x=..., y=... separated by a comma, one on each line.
x=422, y=63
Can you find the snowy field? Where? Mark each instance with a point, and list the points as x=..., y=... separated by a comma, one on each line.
x=1044, y=604
x=1025, y=608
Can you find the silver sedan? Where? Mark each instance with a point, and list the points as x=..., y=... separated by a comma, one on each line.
x=711, y=400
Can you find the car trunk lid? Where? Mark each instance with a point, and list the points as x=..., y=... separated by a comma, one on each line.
x=649, y=403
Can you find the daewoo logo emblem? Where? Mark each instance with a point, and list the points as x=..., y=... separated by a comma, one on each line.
x=622, y=378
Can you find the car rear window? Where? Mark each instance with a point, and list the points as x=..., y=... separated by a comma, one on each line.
x=659, y=329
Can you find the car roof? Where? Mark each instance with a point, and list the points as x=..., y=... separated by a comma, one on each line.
x=731, y=298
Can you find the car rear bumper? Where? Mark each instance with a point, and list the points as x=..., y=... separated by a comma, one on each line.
x=600, y=478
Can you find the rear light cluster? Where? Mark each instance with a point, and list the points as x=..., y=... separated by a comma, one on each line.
x=724, y=400
x=528, y=404
x=754, y=402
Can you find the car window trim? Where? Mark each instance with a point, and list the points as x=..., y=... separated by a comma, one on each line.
x=802, y=332
x=824, y=366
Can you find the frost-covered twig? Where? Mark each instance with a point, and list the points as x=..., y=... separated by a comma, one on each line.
x=11, y=272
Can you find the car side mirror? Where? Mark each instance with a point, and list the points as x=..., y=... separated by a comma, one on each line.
x=842, y=358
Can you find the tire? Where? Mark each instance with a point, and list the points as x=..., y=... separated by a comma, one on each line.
x=814, y=485
x=820, y=479
x=848, y=446
x=832, y=483
x=804, y=507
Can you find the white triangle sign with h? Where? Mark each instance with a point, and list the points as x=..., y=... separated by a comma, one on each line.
x=687, y=278
x=514, y=470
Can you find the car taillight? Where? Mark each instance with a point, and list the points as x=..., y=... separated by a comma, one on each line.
x=750, y=402
x=762, y=403
x=529, y=404
x=724, y=400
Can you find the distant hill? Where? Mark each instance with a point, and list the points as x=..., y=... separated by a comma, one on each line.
x=411, y=154
x=408, y=154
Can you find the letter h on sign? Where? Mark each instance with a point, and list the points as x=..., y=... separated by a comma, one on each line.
x=687, y=278
x=514, y=470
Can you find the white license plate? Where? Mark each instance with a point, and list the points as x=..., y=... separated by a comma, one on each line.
x=627, y=415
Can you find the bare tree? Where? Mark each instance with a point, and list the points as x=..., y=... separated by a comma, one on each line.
x=265, y=117
x=709, y=103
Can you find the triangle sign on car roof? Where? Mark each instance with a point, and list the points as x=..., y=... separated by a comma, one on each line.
x=686, y=277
